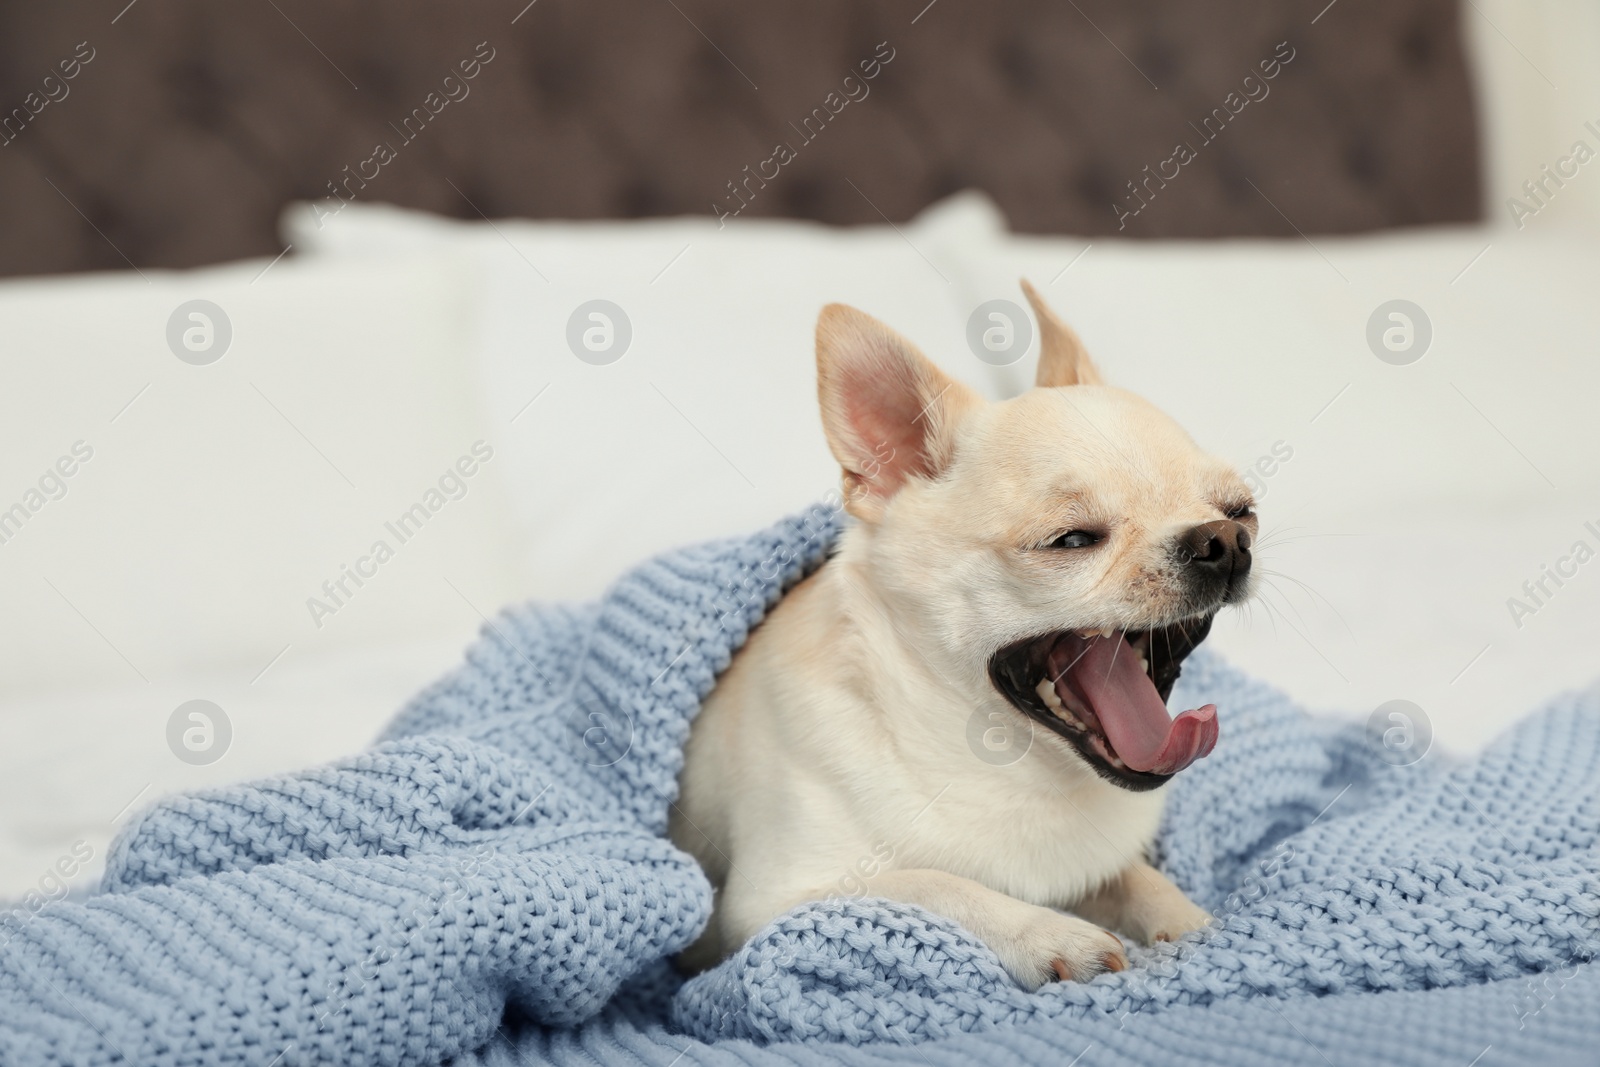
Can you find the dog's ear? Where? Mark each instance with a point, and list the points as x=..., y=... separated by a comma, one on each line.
x=1062, y=358
x=889, y=414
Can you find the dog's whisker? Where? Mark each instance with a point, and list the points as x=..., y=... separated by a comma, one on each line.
x=1248, y=608
x=1277, y=532
x=1270, y=575
x=1272, y=618
x=1271, y=613
x=1285, y=615
x=1279, y=536
x=1285, y=576
x=1071, y=665
x=1114, y=653
x=1268, y=587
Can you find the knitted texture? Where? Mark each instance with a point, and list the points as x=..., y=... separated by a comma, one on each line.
x=490, y=884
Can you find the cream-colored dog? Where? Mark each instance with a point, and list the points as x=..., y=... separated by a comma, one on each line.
x=1034, y=569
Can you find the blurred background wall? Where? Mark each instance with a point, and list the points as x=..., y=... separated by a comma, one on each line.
x=194, y=122
x=1538, y=81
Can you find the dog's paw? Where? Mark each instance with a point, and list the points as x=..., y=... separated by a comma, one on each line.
x=1175, y=916
x=1056, y=947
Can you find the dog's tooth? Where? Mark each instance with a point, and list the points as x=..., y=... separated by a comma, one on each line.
x=1145, y=663
x=1047, y=692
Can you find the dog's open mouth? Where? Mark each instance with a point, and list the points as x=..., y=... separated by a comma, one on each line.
x=1106, y=692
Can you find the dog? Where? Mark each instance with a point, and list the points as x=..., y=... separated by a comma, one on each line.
x=1039, y=566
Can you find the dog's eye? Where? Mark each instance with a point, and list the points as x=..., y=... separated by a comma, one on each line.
x=1075, y=539
x=1241, y=511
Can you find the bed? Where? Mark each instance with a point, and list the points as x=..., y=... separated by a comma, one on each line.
x=1415, y=508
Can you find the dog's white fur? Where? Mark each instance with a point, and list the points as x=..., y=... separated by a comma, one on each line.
x=833, y=756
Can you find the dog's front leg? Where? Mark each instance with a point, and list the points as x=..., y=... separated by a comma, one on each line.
x=1144, y=904
x=1035, y=944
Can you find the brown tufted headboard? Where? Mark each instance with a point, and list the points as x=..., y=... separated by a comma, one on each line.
x=192, y=123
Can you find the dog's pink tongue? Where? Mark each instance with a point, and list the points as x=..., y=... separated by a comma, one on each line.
x=1133, y=715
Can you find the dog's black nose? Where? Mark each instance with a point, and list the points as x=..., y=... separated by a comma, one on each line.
x=1217, y=554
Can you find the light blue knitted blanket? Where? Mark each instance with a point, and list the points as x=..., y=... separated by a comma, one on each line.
x=490, y=885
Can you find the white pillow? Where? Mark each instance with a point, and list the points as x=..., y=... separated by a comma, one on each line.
x=208, y=504
x=707, y=424
x=1247, y=342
